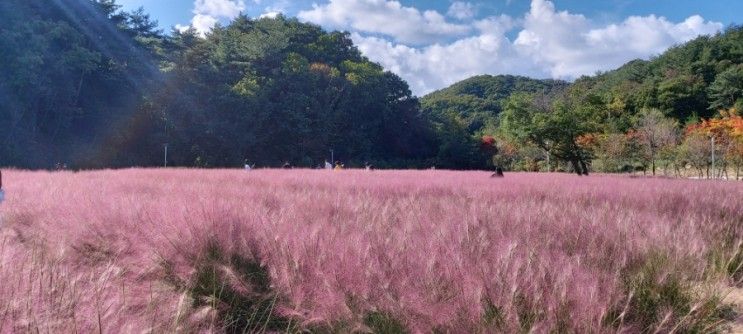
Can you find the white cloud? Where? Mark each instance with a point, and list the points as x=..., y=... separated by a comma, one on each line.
x=182, y=28
x=390, y=18
x=275, y=9
x=439, y=65
x=568, y=45
x=550, y=43
x=462, y=10
x=640, y=34
x=432, y=51
x=270, y=14
x=219, y=8
x=207, y=13
x=203, y=23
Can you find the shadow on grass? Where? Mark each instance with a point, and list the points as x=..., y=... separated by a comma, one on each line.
x=661, y=300
x=238, y=288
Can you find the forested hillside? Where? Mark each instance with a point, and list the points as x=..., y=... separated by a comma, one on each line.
x=70, y=73
x=277, y=90
x=687, y=82
x=86, y=84
x=90, y=86
x=661, y=111
x=464, y=114
x=479, y=99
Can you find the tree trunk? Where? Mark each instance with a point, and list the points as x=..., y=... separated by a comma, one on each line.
x=79, y=89
x=576, y=167
x=584, y=167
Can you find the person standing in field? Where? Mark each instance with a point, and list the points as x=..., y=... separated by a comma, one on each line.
x=338, y=165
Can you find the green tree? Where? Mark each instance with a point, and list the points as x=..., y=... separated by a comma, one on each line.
x=727, y=90
x=71, y=73
x=457, y=148
x=656, y=133
x=275, y=89
x=555, y=125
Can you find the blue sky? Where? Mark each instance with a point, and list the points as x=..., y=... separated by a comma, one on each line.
x=434, y=43
x=172, y=12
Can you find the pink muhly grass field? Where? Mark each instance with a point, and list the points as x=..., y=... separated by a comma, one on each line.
x=385, y=251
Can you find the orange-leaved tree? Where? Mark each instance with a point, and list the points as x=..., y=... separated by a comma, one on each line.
x=727, y=132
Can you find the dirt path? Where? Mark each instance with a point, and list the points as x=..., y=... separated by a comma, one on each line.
x=735, y=296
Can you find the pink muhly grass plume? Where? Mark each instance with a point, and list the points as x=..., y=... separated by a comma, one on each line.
x=276, y=250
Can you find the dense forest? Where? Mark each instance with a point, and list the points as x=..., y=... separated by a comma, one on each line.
x=70, y=73
x=86, y=84
x=678, y=111
x=467, y=112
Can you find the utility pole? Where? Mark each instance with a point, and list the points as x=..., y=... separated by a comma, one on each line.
x=166, y=155
x=165, y=119
x=332, y=156
x=713, y=157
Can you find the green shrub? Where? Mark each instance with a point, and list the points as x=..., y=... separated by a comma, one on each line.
x=384, y=323
x=660, y=299
x=247, y=308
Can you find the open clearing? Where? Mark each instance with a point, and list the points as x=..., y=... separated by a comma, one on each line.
x=383, y=251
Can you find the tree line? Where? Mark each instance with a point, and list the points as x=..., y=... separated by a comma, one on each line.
x=672, y=113
x=89, y=85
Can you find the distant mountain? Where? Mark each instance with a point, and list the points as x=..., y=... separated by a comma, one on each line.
x=689, y=81
x=478, y=100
